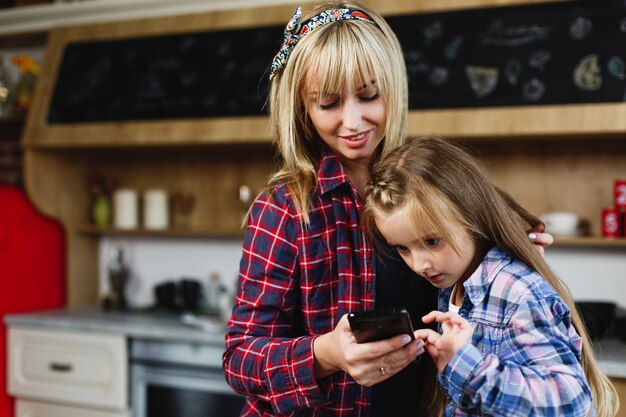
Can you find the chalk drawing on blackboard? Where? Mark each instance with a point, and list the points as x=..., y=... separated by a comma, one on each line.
x=439, y=76
x=580, y=28
x=616, y=67
x=512, y=71
x=533, y=89
x=539, y=59
x=500, y=34
x=432, y=31
x=416, y=62
x=587, y=74
x=451, y=51
x=483, y=80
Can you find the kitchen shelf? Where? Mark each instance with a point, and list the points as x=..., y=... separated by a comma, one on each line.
x=166, y=233
x=194, y=232
x=18, y=119
x=589, y=241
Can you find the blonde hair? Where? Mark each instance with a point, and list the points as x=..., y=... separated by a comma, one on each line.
x=442, y=184
x=337, y=55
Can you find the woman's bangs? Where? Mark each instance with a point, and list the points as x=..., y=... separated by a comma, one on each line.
x=344, y=60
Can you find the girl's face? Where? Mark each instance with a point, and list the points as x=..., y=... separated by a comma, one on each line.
x=439, y=264
x=352, y=123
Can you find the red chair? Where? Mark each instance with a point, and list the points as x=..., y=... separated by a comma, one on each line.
x=32, y=267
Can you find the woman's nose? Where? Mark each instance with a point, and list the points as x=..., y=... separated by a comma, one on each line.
x=351, y=114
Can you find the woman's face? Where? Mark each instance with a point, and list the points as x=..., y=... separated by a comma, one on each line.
x=439, y=263
x=352, y=123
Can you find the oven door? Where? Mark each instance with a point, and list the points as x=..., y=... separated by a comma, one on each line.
x=160, y=390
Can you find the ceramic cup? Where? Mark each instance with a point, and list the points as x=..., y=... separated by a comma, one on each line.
x=156, y=213
x=561, y=223
x=125, y=209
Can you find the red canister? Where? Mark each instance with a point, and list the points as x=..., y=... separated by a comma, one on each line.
x=620, y=194
x=611, y=222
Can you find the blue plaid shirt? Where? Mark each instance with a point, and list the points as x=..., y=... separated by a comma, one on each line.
x=525, y=355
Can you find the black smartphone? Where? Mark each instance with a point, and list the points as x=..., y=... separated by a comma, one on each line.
x=369, y=326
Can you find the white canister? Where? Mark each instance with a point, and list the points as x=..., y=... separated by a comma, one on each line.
x=156, y=213
x=125, y=209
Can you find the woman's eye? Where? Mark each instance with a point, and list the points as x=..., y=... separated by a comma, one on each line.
x=401, y=249
x=370, y=97
x=328, y=105
x=431, y=243
x=328, y=102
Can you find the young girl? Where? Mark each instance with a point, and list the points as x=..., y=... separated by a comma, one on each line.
x=511, y=342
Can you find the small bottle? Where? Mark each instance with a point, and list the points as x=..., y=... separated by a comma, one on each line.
x=5, y=96
x=118, y=277
x=213, y=292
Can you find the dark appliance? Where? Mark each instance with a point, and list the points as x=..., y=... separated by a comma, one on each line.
x=180, y=379
x=598, y=317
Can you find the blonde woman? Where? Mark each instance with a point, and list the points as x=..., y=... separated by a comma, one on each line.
x=512, y=342
x=338, y=102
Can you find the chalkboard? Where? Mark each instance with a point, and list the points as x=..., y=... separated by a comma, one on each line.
x=552, y=53
x=208, y=74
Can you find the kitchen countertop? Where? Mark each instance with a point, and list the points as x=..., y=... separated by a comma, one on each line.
x=611, y=353
x=134, y=324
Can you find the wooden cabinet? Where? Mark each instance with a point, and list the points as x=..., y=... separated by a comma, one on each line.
x=620, y=386
x=74, y=369
x=550, y=158
x=25, y=408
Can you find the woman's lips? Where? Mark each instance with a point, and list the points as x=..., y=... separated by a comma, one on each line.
x=356, y=141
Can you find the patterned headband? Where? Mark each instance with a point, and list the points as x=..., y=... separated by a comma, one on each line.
x=296, y=30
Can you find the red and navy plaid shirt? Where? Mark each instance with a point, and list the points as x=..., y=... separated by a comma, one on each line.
x=295, y=283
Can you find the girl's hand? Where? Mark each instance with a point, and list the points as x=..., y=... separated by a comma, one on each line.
x=456, y=332
x=367, y=363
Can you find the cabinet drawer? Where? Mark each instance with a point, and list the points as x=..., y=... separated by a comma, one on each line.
x=35, y=409
x=77, y=368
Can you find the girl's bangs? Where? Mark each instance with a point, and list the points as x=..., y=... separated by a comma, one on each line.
x=430, y=207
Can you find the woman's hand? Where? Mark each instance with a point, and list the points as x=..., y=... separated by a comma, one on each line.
x=539, y=238
x=367, y=363
x=456, y=332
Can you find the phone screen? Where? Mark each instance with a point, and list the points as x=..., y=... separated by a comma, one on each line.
x=369, y=326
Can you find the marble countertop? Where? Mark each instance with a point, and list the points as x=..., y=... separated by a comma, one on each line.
x=611, y=353
x=133, y=324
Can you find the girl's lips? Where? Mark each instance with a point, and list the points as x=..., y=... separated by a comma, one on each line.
x=433, y=278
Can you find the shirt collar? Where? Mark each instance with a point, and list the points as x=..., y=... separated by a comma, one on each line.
x=477, y=284
x=330, y=173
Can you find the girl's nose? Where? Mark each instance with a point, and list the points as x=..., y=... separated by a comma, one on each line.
x=421, y=264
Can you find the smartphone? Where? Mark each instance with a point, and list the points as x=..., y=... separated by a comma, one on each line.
x=369, y=326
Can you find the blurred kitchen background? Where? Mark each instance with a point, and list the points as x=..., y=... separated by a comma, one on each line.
x=133, y=139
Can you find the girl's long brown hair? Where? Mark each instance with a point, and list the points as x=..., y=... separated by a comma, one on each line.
x=442, y=184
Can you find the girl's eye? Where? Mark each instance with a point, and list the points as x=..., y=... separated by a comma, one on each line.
x=432, y=242
x=401, y=249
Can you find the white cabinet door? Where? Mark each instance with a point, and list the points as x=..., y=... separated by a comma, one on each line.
x=34, y=409
x=75, y=368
